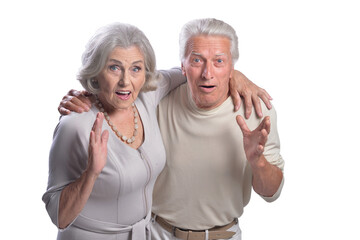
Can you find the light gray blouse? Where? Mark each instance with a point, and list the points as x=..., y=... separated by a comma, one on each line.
x=119, y=206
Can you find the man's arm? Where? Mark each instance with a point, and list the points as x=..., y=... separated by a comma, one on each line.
x=266, y=177
x=240, y=86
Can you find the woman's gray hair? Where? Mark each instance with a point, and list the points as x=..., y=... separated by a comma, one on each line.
x=208, y=27
x=105, y=40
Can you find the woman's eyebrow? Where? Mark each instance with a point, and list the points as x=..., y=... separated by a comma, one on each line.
x=116, y=61
x=120, y=63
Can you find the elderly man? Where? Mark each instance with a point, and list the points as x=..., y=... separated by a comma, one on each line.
x=213, y=158
x=211, y=165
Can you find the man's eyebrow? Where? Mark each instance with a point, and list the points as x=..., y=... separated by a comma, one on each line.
x=195, y=53
x=199, y=54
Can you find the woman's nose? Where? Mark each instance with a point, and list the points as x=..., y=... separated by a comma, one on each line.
x=124, y=79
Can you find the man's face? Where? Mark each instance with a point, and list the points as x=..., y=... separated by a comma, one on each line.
x=208, y=68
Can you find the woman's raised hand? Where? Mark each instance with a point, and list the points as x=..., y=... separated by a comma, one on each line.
x=97, y=146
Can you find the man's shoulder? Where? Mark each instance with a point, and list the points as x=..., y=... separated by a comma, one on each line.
x=254, y=120
x=265, y=111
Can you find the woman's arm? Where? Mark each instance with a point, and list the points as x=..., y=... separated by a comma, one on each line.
x=75, y=161
x=170, y=79
x=241, y=86
x=74, y=196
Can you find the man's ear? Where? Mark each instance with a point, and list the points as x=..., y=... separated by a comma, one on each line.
x=232, y=72
x=183, y=69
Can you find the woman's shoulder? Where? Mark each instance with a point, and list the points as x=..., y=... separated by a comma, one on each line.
x=77, y=122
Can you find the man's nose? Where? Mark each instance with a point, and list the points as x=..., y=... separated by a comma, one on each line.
x=207, y=71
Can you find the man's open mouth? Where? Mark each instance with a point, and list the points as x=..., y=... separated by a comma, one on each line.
x=205, y=86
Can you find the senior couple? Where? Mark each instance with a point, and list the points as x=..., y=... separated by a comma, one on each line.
x=161, y=154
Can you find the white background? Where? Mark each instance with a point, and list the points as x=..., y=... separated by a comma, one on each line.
x=305, y=53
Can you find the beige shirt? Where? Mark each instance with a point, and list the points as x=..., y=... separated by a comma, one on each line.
x=207, y=180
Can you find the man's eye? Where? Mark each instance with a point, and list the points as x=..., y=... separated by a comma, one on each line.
x=219, y=61
x=196, y=60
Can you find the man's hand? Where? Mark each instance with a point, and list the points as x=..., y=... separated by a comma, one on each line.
x=254, y=141
x=266, y=177
x=75, y=101
x=240, y=85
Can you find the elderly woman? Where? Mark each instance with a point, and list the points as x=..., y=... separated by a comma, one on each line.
x=106, y=193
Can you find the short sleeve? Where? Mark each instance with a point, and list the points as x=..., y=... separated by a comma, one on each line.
x=67, y=159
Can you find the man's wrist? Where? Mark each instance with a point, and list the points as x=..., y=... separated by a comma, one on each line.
x=259, y=163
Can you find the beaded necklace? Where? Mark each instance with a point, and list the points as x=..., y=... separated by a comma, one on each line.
x=112, y=126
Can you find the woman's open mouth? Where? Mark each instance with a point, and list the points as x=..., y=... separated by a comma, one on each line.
x=123, y=95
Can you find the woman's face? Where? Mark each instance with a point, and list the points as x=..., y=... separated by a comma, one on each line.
x=122, y=78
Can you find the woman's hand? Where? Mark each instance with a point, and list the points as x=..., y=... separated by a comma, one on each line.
x=75, y=195
x=241, y=86
x=75, y=101
x=97, y=147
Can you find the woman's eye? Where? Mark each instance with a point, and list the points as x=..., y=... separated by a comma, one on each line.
x=136, y=69
x=114, y=67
